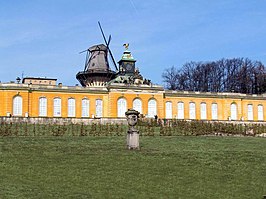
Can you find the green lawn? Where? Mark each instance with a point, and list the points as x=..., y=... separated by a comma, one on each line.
x=101, y=167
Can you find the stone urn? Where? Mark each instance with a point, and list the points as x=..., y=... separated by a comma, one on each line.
x=132, y=133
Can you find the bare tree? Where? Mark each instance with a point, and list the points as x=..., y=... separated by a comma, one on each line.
x=225, y=75
x=170, y=77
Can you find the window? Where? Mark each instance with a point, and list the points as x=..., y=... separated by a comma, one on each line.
x=250, y=112
x=57, y=107
x=137, y=105
x=152, y=108
x=192, y=110
x=121, y=107
x=42, y=106
x=168, y=110
x=71, y=107
x=203, y=111
x=85, y=109
x=260, y=112
x=99, y=108
x=17, y=106
x=233, y=111
x=180, y=110
x=214, y=111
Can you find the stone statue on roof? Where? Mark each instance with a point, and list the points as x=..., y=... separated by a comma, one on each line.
x=126, y=45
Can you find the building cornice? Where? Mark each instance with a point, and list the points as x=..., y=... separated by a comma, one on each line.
x=169, y=93
x=49, y=88
x=141, y=87
x=118, y=87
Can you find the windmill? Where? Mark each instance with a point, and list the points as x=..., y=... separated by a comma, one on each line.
x=97, y=71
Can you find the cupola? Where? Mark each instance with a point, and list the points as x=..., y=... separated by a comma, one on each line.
x=127, y=62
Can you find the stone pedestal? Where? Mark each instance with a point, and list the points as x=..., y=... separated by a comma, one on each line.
x=132, y=133
x=133, y=140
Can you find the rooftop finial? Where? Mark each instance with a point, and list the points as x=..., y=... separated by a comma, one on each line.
x=126, y=45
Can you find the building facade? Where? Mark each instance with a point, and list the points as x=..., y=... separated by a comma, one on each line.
x=27, y=100
x=128, y=89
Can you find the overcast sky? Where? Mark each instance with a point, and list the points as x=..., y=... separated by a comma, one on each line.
x=43, y=38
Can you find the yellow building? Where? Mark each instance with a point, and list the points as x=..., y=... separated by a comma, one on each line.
x=26, y=100
x=110, y=99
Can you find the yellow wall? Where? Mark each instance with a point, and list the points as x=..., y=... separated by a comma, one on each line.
x=6, y=100
x=64, y=101
x=129, y=96
x=224, y=106
x=31, y=101
x=255, y=104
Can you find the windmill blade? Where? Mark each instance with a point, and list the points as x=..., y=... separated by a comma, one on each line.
x=109, y=40
x=102, y=32
x=86, y=61
x=112, y=57
x=83, y=51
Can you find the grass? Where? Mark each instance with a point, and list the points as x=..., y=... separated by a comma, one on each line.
x=101, y=167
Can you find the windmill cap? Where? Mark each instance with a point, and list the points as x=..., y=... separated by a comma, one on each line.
x=98, y=47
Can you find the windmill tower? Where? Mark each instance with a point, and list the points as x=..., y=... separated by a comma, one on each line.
x=97, y=71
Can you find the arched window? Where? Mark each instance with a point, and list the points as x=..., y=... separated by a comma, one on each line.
x=168, y=110
x=99, y=108
x=137, y=105
x=214, y=111
x=121, y=107
x=233, y=109
x=180, y=110
x=71, y=107
x=152, y=108
x=17, y=106
x=192, y=110
x=57, y=107
x=250, y=112
x=85, y=109
x=260, y=112
x=203, y=111
x=42, y=107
